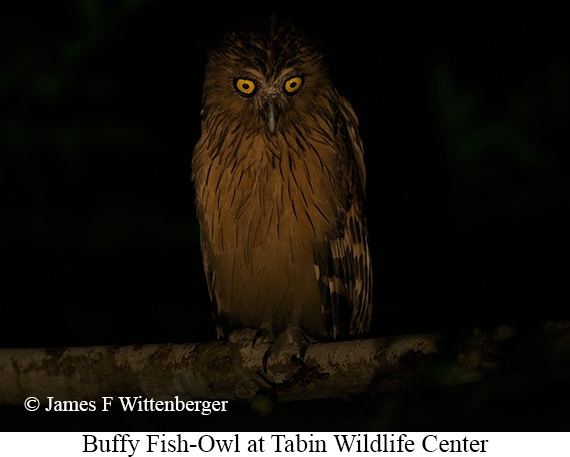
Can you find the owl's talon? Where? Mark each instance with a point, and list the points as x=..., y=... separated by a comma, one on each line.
x=265, y=357
x=292, y=335
x=264, y=335
x=303, y=348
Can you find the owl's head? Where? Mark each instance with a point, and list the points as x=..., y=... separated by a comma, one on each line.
x=265, y=77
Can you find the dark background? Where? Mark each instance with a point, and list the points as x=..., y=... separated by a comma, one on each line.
x=464, y=117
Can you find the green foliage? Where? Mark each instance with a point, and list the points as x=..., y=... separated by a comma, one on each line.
x=261, y=405
x=502, y=147
x=477, y=136
x=72, y=142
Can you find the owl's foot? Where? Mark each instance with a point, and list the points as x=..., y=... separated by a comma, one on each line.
x=290, y=335
x=263, y=335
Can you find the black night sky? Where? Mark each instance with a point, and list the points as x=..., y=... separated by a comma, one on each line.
x=464, y=117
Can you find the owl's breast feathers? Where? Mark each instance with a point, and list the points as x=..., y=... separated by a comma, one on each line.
x=284, y=239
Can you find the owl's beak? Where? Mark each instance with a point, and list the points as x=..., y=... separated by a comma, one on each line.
x=271, y=114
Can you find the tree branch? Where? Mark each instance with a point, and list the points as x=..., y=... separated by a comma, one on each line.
x=227, y=370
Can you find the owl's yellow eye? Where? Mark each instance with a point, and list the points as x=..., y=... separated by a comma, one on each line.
x=245, y=87
x=293, y=85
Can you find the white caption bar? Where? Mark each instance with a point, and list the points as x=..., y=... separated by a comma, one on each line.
x=130, y=444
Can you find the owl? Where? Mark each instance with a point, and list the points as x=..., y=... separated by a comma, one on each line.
x=279, y=181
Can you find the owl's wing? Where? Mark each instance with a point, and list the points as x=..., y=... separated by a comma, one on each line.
x=344, y=268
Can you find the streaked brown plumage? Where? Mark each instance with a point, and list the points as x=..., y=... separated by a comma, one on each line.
x=279, y=177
